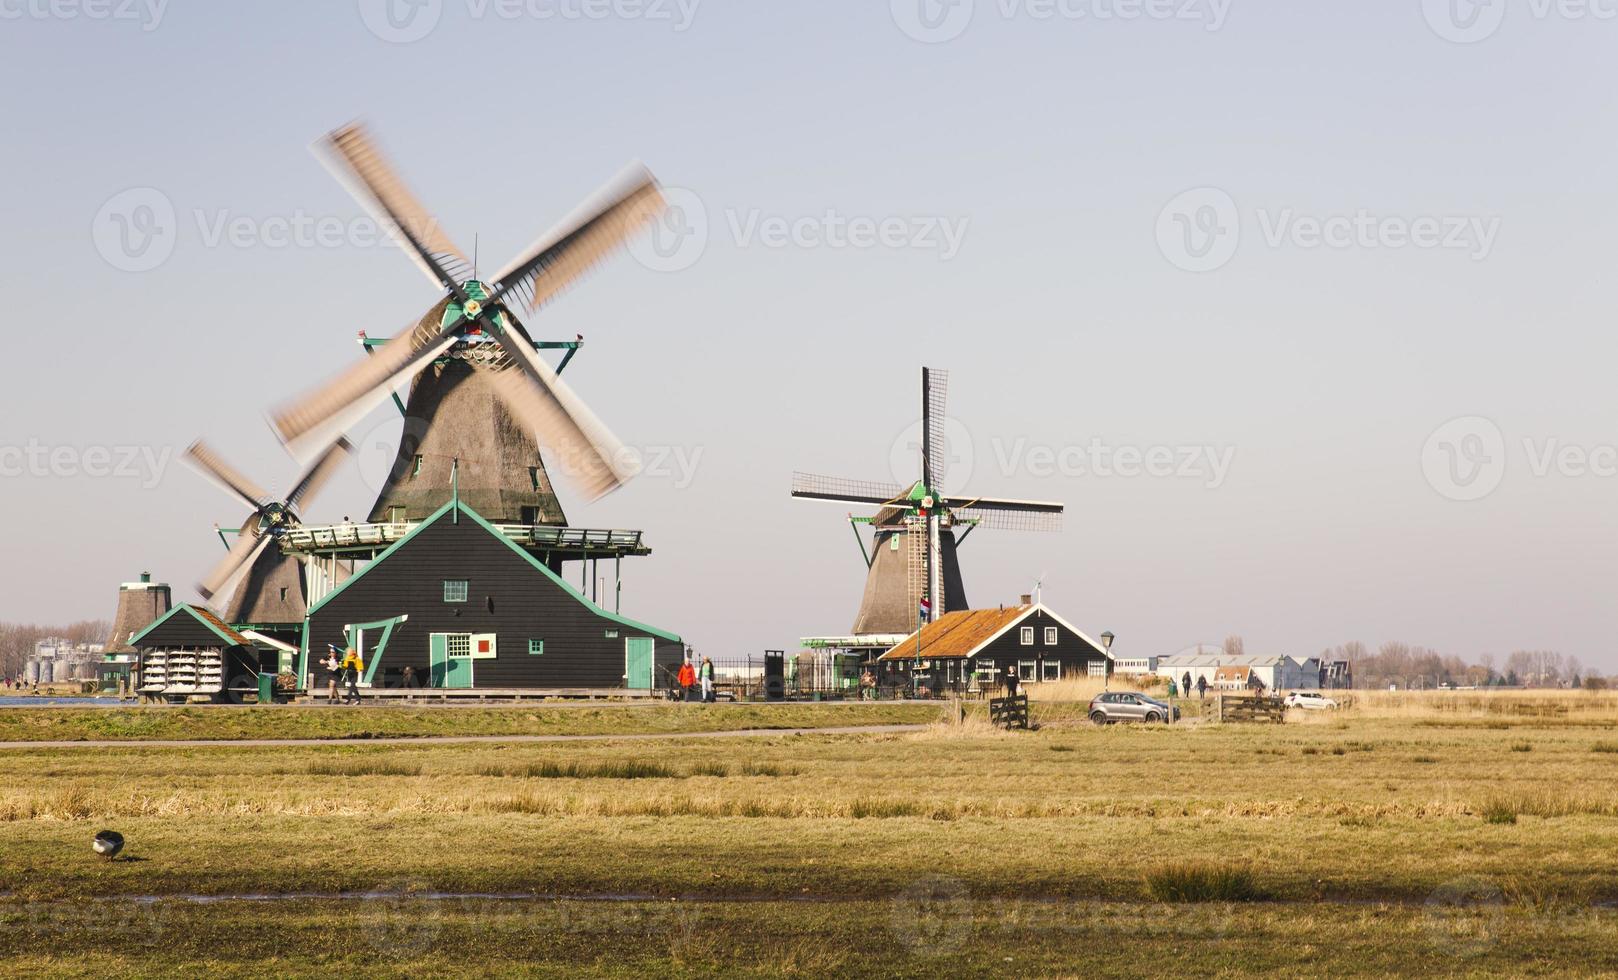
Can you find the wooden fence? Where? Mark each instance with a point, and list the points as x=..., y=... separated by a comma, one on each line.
x=1009, y=712
x=1237, y=707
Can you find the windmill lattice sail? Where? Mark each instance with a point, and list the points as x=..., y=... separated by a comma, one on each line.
x=914, y=545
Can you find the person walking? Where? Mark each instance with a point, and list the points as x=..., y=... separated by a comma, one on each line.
x=705, y=674
x=352, y=665
x=688, y=679
x=331, y=666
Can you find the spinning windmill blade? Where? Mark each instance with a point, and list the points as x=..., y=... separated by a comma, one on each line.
x=527, y=386
x=269, y=518
x=357, y=164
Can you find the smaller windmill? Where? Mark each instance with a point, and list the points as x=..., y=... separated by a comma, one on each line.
x=912, y=569
x=272, y=588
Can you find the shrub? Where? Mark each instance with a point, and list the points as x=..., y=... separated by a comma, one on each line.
x=1522, y=747
x=1201, y=882
x=1499, y=812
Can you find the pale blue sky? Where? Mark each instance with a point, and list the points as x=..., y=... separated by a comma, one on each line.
x=1055, y=143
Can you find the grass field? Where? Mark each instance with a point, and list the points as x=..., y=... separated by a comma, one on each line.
x=228, y=723
x=1451, y=834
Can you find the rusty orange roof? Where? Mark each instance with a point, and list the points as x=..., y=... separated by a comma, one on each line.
x=207, y=616
x=1232, y=673
x=957, y=634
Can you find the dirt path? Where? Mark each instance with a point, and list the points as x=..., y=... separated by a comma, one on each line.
x=452, y=739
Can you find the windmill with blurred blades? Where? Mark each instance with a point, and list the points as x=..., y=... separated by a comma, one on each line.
x=482, y=402
x=912, y=571
x=271, y=586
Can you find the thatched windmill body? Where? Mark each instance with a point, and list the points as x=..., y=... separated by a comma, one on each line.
x=482, y=402
x=913, y=574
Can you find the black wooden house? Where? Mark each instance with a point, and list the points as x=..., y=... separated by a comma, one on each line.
x=974, y=649
x=464, y=606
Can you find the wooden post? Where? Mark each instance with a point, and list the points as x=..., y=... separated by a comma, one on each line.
x=957, y=711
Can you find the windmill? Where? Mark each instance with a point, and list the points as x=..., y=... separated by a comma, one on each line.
x=912, y=569
x=271, y=587
x=479, y=391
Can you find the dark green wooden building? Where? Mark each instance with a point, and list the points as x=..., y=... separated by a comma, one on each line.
x=464, y=606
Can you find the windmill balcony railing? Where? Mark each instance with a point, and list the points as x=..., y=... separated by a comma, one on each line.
x=337, y=537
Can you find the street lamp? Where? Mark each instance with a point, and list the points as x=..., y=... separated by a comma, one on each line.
x=1106, y=675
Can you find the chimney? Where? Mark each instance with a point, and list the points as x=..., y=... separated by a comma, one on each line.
x=1027, y=599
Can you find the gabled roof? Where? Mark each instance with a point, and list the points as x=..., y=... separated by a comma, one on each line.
x=961, y=634
x=456, y=505
x=203, y=616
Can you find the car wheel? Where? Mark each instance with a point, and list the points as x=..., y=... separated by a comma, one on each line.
x=1099, y=717
x=1153, y=717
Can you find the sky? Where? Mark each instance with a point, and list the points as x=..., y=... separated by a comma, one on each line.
x=1304, y=310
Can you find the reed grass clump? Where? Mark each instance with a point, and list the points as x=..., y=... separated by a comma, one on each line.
x=1202, y=882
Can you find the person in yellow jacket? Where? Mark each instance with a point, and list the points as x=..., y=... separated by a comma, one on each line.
x=352, y=666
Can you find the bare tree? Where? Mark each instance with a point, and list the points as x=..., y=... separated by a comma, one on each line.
x=1233, y=646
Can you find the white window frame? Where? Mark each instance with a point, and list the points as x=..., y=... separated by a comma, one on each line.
x=1027, y=636
x=1027, y=671
x=1098, y=668
x=1050, y=636
x=1048, y=668
x=465, y=590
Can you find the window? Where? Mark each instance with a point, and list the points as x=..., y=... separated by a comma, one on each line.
x=1050, y=670
x=1098, y=668
x=1050, y=636
x=283, y=594
x=536, y=647
x=533, y=476
x=458, y=644
x=612, y=634
x=415, y=469
x=455, y=589
x=1027, y=670
x=396, y=515
x=1027, y=636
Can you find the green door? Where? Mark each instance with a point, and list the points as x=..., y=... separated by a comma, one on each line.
x=638, y=663
x=449, y=656
x=437, y=656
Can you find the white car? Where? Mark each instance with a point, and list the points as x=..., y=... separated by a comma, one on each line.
x=1311, y=700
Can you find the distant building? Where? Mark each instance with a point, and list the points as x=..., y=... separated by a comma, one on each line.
x=1138, y=666
x=1224, y=672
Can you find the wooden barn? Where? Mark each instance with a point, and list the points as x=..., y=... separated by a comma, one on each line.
x=973, y=649
x=464, y=607
x=191, y=653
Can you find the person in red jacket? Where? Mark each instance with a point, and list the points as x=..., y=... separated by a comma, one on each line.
x=688, y=679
